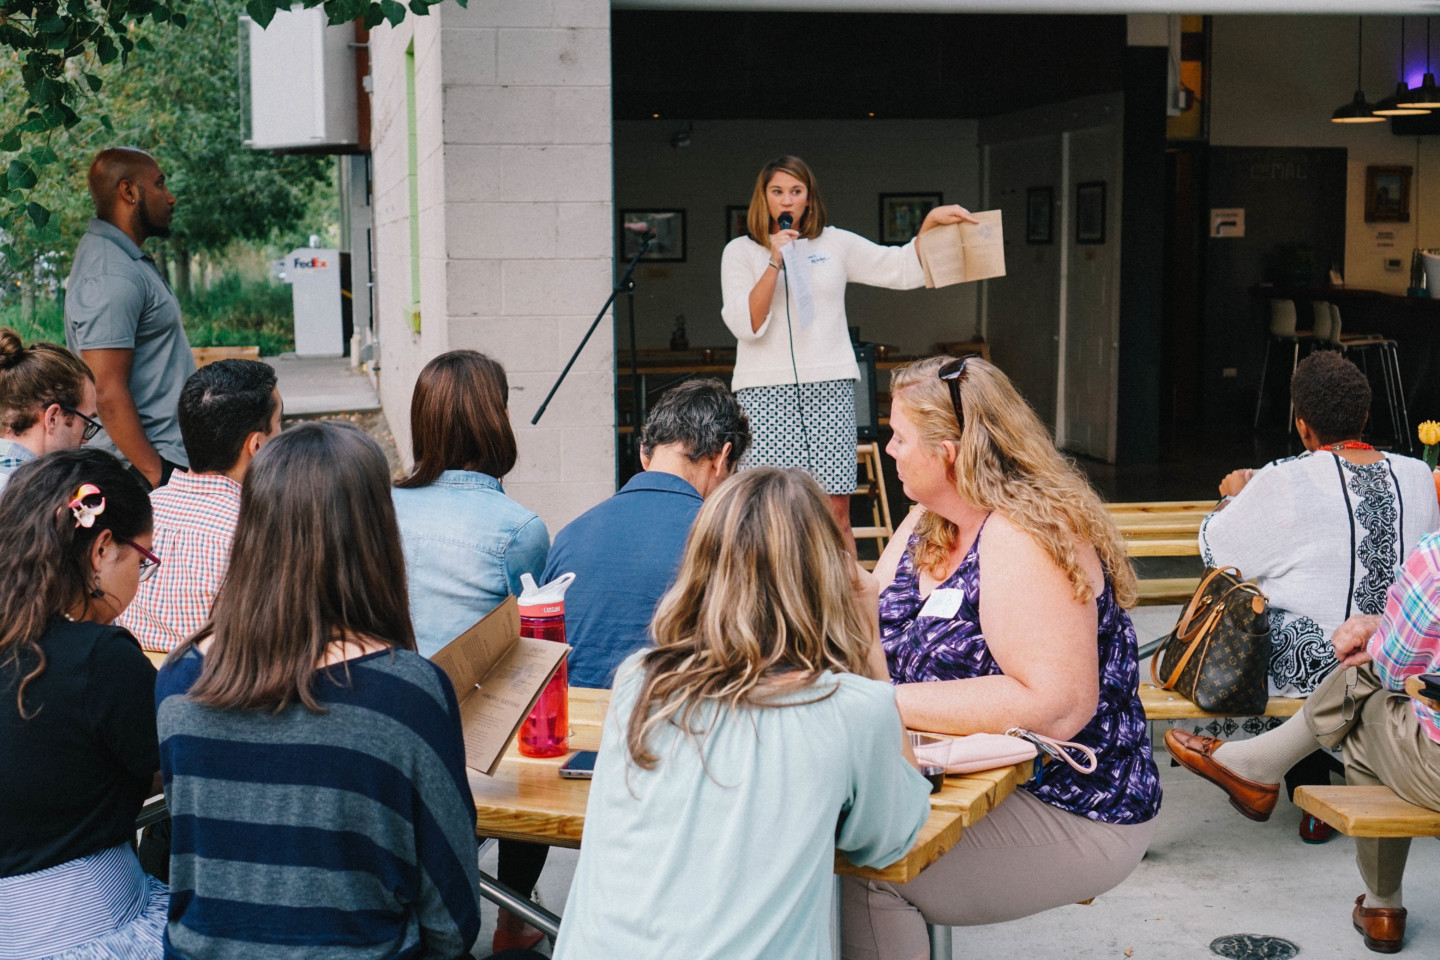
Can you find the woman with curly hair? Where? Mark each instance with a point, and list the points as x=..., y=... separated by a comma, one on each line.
x=77, y=714
x=735, y=746
x=1002, y=605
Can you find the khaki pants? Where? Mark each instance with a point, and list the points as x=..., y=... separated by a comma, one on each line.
x=1024, y=857
x=1382, y=743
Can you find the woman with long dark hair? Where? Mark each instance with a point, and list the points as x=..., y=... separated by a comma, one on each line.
x=795, y=368
x=466, y=542
x=77, y=714
x=313, y=763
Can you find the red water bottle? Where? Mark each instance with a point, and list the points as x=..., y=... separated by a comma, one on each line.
x=545, y=733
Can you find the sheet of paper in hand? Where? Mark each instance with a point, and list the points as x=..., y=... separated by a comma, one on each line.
x=963, y=252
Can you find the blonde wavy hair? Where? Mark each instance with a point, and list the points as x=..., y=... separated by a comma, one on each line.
x=765, y=588
x=1007, y=462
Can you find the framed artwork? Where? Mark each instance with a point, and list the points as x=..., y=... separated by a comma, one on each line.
x=1040, y=215
x=1090, y=212
x=735, y=221
x=1387, y=194
x=669, y=243
x=902, y=213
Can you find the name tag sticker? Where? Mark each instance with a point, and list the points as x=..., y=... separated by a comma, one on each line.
x=943, y=603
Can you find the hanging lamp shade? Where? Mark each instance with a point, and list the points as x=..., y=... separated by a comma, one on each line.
x=1426, y=96
x=1397, y=105
x=1356, y=111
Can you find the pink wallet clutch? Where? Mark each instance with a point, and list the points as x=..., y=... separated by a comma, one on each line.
x=987, y=751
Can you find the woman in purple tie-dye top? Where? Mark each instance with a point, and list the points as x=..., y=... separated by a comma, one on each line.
x=1002, y=605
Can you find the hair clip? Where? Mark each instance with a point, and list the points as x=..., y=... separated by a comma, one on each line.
x=84, y=514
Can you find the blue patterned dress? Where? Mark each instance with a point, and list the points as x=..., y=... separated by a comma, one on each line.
x=1125, y=787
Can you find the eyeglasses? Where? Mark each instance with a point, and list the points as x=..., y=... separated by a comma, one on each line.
x=149, y=563
x=92, y=426
x=951, y=374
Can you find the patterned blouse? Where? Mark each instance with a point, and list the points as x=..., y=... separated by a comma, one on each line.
x=1125, y=787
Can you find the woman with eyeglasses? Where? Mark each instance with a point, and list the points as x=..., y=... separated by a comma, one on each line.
x=314, y=765
x=1002, y=605
x=77, y=714
x=47, y=401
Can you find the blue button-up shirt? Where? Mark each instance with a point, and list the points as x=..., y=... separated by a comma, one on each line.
x=12, y=455
x=625, y=553
x=466, y=544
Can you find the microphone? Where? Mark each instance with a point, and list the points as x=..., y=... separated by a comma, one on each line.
x=785, y=220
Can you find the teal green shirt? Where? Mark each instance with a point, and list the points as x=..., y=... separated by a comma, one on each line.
x=733, y=857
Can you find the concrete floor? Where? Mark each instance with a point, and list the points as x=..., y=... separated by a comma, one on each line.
x=315, y=386
x=1209, y=873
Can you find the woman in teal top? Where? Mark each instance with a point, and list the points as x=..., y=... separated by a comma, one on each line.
x=733, y=749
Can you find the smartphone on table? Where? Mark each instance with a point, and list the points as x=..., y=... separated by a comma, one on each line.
x=579, y=767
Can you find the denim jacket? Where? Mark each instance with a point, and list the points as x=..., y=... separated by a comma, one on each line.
x=466, y=544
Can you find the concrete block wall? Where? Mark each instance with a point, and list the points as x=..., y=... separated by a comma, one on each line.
x=517, y=245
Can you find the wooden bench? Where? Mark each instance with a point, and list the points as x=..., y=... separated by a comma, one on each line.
x=1162, y=528
x=208, y=355
x=1368, y=812
x=1163, y=704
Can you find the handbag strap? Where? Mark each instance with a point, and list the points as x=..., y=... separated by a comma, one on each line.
x=1183, y=623
x=1059, y=749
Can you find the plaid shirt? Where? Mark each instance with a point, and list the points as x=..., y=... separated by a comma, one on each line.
x=12, y=455
x=195, y=516
x=1408, y=641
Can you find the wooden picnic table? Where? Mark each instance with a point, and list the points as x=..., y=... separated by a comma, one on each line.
x=528, y=800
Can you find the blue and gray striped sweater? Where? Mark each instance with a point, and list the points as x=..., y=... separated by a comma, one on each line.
x=296, y=833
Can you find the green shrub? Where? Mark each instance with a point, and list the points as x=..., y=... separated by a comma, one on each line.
x=234, y=312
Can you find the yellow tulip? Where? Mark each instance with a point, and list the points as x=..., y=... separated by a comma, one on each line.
x=1430, y=433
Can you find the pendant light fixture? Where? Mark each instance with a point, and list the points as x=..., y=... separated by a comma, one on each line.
x=1359, y=109
x=1395, y=105
x=1427, y=95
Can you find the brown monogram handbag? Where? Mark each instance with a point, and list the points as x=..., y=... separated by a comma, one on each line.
x=1218, y=655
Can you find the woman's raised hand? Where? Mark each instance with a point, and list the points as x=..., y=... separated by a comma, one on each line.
x=778, y=241
x=950, y=213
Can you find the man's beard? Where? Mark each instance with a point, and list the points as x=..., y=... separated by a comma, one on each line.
x=151, y=228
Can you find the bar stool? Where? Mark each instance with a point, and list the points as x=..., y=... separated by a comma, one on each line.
x=1282, y=329
x=871, y=485
x=1389, y=356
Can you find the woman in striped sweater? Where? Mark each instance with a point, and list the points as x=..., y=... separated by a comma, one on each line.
x=313, y=762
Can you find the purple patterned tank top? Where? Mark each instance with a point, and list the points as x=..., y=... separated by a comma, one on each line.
x=1125, y=787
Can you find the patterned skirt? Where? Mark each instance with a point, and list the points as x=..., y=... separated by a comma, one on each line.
x=99, y=907
x=814, y=431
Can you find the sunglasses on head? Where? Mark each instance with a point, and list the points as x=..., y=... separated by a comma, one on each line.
x=951, y=374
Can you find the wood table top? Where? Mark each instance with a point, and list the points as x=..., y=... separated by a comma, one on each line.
x=527, y=799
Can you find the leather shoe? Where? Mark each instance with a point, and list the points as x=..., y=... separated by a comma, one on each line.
x=1254, y=800
x=1315, y=830
x=1382, y=927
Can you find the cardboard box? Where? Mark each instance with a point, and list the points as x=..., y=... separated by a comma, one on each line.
x=498, y=675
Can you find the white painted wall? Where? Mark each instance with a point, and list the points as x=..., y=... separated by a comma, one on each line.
x=1276, y=81
x=854, y=162
x=516, y=213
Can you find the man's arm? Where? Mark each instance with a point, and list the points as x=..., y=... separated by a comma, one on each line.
x=117, y=409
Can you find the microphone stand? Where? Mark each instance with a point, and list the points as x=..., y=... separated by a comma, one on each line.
x=625, y=284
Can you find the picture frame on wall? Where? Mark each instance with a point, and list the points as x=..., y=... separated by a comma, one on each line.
x=669, y=243
x=1040, y=215
x=1387, y=194
x=735, y=218
x=1090, y=212
x=902, y=213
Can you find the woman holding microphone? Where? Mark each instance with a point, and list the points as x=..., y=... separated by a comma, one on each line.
x=795, y=369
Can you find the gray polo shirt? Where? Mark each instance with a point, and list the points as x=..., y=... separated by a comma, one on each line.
x=116, y=299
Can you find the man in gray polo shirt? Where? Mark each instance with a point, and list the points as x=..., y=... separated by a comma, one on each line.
x=123, y=319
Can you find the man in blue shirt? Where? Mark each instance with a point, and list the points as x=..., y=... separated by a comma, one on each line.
x=626, y=551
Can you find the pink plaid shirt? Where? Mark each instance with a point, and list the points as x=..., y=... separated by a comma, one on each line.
x=195, y=516
x=1408, y=641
